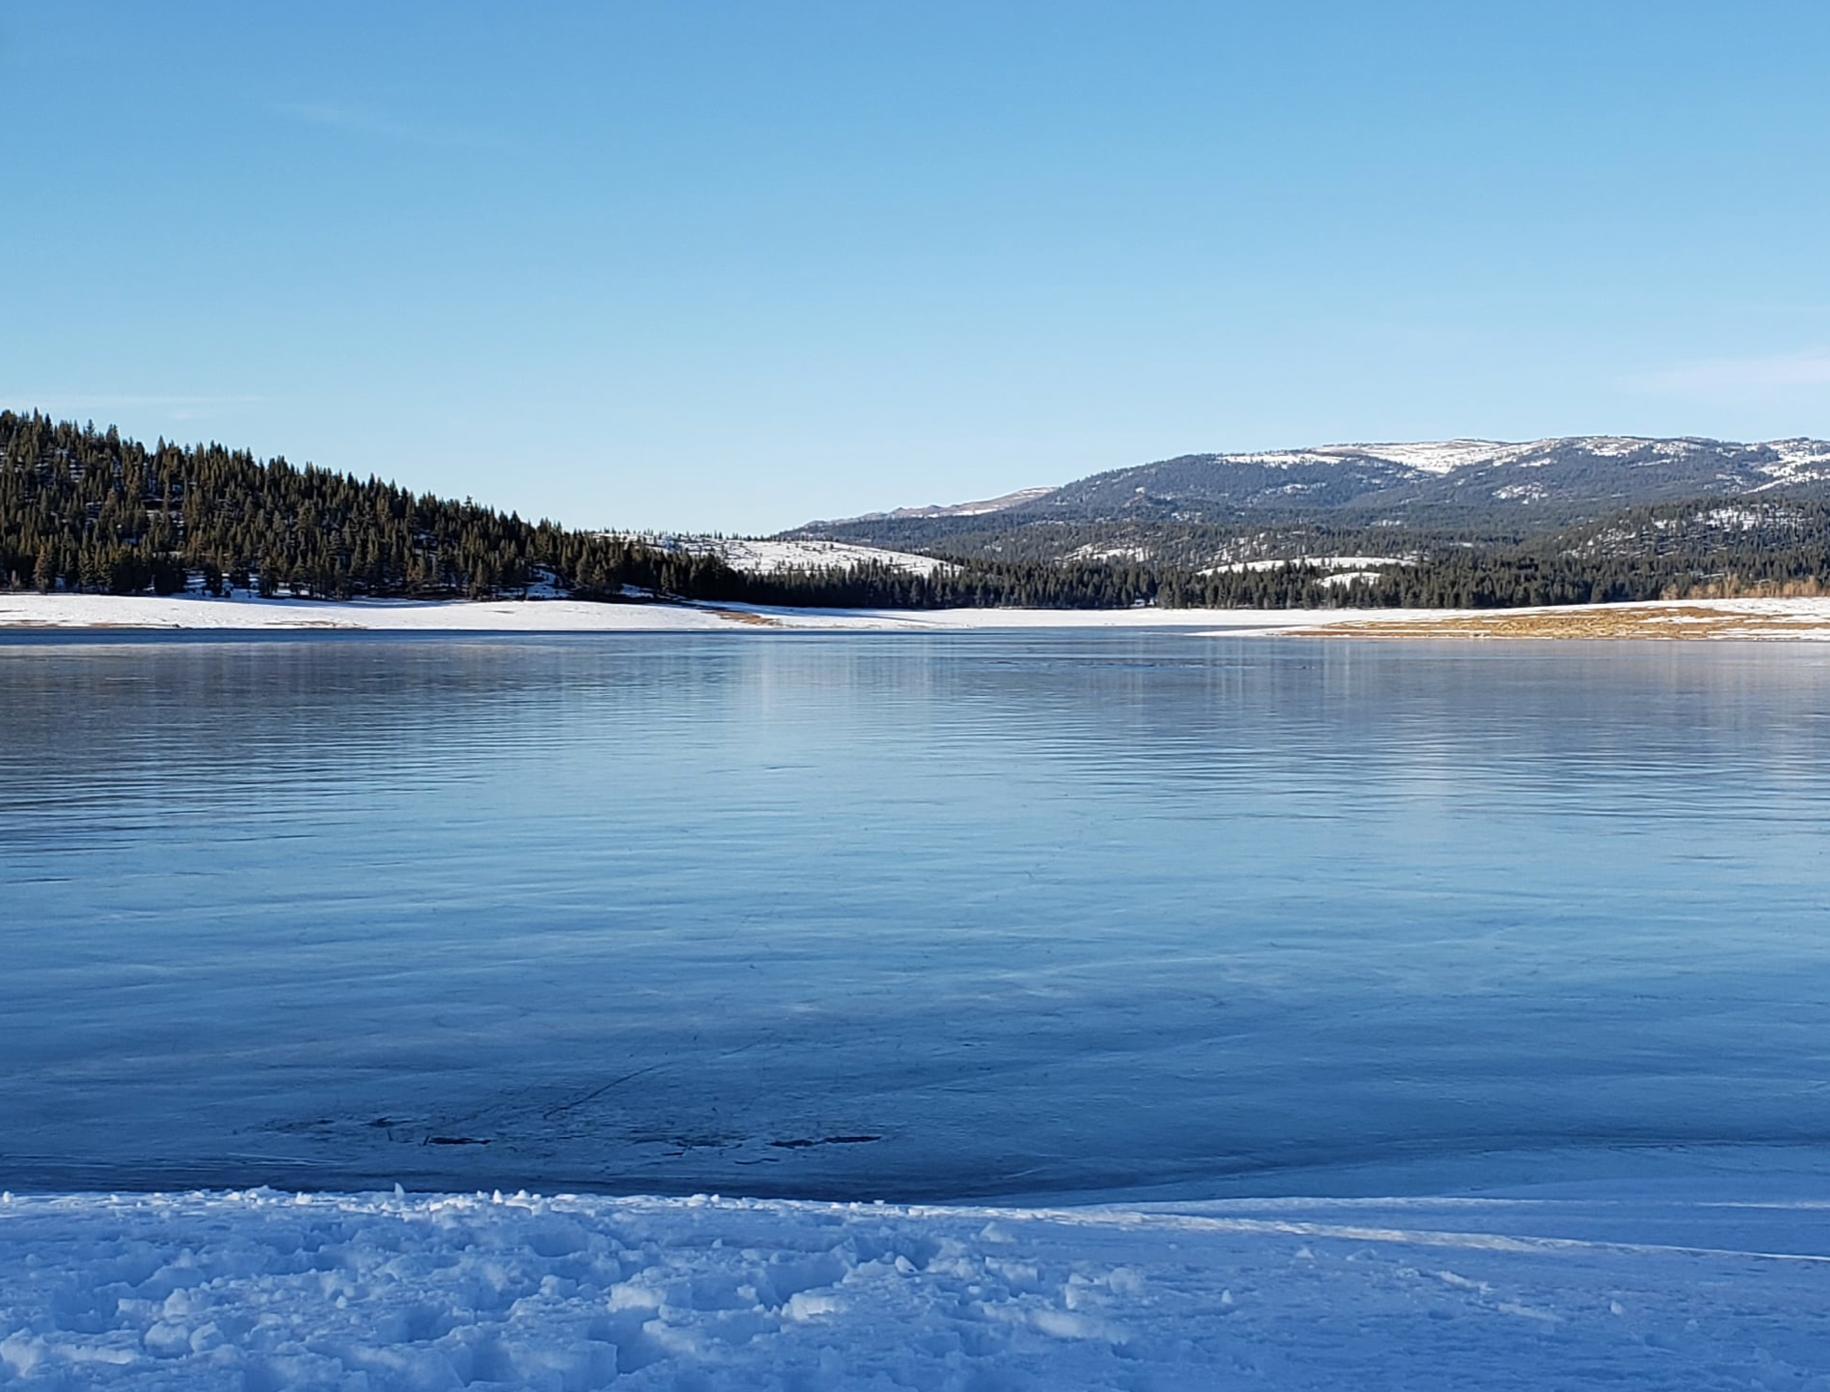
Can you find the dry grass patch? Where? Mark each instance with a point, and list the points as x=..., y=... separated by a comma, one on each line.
x=1591, y=621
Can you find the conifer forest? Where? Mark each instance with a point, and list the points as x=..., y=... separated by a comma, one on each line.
x=83, y=509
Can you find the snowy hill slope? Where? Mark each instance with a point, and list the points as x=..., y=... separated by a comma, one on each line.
x=1616, y=471
x=1279, y=503
x=1626, y=470
x=980, y=508
x=757, y=556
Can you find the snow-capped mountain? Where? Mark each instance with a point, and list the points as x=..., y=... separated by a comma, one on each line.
x=1615, y=470
x=1204, y=509
x=1580, y=472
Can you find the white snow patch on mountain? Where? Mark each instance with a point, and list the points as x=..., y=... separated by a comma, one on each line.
x=1800, y=461
x=1120, y=554
x=1734, y=519
x=1437, y=456
x=980, y=508
x=1521, y=492
x=755, y=557
x=1282, y=459
x=1617, y=446
x=1319, y=562
x=977, y=508
x=1795, y=459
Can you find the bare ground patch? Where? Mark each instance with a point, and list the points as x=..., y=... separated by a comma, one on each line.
x=1594, y=621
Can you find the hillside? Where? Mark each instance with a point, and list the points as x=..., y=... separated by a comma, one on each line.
x=1559, y=522
x=1389, y=500
x=86, y=511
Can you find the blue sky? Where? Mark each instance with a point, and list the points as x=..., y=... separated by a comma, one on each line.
x=734, y=266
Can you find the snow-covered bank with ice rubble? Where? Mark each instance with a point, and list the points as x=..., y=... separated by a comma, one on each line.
x=1795, y=619
x=56, y=611
x=1593, y=1287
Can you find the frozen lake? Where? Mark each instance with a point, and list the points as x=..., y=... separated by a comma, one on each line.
x=906, y=916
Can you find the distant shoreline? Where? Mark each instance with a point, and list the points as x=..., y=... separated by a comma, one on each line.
x=1729, y=619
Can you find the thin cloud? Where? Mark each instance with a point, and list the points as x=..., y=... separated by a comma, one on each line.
x=358, y=119
x=1739, y=376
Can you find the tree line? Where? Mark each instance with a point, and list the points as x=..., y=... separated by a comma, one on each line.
x=85, y=510
x=82, y=509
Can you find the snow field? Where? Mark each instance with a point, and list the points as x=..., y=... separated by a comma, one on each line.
x=1427, y=456
x=262, y=1291
x=1794, y=461
x=204, y=612
x=1788, y=619
x=573, y=616
x=755, y=556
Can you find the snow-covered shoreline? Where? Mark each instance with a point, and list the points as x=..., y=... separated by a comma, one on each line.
x=564, y=616
x=1591, y=1286
x=1794, y=619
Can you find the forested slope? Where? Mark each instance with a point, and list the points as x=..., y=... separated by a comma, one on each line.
x=85, y=509
x=82, y=509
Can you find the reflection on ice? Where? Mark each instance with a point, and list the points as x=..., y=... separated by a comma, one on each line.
x=906, y=916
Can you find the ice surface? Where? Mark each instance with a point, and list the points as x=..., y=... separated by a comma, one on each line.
x=261, y=1290
x=1047, y=914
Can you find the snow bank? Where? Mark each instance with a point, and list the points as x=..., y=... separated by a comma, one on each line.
x=261, y=1290
x=548, y=616
x=1795, y=619
x=199, y=612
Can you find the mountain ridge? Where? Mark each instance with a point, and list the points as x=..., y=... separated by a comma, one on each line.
x=85, y=511
x=1361, y=498
x=1744, y=467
